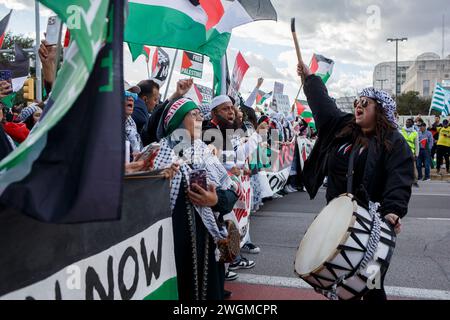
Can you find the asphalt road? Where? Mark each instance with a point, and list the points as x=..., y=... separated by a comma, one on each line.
x=421, y=259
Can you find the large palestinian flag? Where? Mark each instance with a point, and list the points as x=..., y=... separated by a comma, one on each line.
x=201, y=26
x=322, y=67
x=70, y=168
x=132, y=258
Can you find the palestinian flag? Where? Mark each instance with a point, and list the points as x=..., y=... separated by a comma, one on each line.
x=322, y=67
x=186, y=62
x=70, y=168
x=195, y=94
x=201, y=26
x=3, y=26
x=146, y=53
x=132, y=258
x=304, y=111
x=20, y=67
x=262, y=97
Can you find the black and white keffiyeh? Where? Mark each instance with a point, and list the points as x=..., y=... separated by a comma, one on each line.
x=196, y=156
x=384, y=99
x=132, y=135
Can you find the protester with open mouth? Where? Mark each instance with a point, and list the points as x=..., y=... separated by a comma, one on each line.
x=383, y=169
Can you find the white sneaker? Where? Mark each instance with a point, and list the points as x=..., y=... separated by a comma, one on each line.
x=290, y=189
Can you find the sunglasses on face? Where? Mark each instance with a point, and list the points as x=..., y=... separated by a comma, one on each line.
x=363, y=102
x=129, y=94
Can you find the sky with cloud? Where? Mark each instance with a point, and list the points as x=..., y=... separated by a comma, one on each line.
x=351, y=32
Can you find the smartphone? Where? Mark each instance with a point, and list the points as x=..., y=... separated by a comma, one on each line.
x=198, y=177
x=53, y=28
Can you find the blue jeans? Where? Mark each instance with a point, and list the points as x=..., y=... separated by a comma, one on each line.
x=424, y=160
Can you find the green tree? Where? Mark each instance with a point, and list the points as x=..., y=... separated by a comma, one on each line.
x=411, y=103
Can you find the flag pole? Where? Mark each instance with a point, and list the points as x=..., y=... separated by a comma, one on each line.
x=36, y=52
x=170, y=75
x=148, y=68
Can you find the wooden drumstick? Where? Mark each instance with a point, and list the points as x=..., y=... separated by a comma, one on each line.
x=297, y=46
x=299, y=57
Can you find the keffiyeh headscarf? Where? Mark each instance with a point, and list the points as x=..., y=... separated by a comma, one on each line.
x=383, y=98
x=206, y=111
x=194, y=156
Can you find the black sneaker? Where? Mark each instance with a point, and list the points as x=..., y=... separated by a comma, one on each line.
x=243, y=263
x=250, y=248
x=231, y=276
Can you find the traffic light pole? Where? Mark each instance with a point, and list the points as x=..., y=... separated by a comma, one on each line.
x=36, y=52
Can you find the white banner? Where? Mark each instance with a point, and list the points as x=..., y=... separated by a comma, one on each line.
x=243, y=205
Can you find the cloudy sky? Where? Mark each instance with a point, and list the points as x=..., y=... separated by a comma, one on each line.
x=351, y=32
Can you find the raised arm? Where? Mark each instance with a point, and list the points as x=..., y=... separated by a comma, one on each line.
x=323, y=107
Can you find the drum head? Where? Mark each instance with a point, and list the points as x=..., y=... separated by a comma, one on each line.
x=324, y=235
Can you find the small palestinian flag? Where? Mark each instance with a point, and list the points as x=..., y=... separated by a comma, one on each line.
x=322, y=67
x=262, y=97
x=3, y=26
x=186, y=62
x=304, y=111
x=195, y=94
x=146, y=53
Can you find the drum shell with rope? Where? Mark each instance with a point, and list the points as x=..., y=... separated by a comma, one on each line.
x=345, y=226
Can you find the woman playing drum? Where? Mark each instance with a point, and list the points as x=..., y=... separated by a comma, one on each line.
x=383, y=170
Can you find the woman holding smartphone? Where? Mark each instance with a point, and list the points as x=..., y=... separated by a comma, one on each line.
x=201, y=193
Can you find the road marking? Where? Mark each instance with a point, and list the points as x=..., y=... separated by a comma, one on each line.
x=433, y=219
x=432, y=194
x=411, y=293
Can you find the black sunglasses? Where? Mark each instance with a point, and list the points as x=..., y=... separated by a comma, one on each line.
x=364, y=103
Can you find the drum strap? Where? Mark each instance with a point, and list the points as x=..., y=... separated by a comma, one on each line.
x=351, y=166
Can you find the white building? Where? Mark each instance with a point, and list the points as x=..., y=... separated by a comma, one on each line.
x=384, y=75
x=426, y=71
x=346, y=104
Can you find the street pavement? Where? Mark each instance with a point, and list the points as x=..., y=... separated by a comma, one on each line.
x=420, y=268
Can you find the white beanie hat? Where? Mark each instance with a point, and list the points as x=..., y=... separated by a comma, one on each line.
x=217, y=101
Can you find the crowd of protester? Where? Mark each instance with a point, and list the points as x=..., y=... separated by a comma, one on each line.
x=430, y=144
x=225, y=140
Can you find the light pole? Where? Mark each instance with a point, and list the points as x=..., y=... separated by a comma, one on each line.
x=382, y=81
x=396, y=40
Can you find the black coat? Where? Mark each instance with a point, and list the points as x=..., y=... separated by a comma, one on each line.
x=388, y=175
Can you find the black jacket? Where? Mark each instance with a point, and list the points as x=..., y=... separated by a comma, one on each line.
x=149, y=133
x=388, y=175
x=140, y=114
